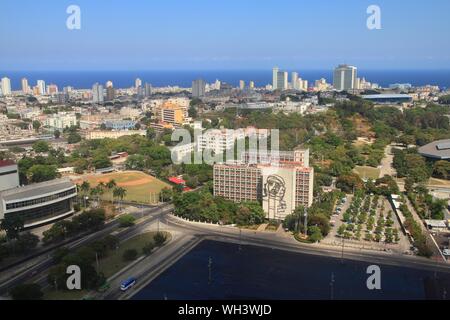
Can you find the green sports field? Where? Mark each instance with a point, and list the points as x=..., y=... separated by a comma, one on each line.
x=141, y=187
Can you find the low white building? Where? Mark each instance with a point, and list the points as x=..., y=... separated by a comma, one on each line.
x=60, y=121
x=9, y=175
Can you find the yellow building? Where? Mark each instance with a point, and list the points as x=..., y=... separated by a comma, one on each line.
x=172, y=113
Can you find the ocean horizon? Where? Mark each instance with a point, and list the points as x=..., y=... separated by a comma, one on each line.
x=183, y=78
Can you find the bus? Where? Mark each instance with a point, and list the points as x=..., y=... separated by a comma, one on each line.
x=127, y=284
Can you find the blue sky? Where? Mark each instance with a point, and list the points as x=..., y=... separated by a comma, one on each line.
x=226, y=34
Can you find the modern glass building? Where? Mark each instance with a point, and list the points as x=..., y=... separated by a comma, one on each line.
x=39, y=203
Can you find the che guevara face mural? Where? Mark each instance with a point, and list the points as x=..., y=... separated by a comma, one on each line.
x=275, y=190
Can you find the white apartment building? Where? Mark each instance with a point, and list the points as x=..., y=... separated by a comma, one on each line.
x=61, y=121
x=93, y=135
x=219, y=140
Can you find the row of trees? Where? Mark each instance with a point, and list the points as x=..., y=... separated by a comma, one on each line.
x=203, y=206
x=90, y=220
x=116, y=192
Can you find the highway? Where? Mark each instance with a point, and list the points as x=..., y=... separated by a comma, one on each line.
x=45, y=261
x=186, y=235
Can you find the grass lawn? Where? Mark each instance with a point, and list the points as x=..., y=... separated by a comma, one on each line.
x=109, y=265
x=438, y=182
x=141, y=187
x=114, y=261
x=367, y=172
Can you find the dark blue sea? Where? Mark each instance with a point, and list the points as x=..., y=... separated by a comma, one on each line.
x=261, y=273
x=125, y=79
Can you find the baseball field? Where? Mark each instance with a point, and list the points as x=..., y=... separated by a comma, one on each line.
x=140, y=187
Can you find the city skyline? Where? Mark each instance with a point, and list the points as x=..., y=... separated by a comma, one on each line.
x=201, y=36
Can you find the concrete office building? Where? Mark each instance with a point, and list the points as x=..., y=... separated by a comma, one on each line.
x=97, y=93
x=110, y=93
x=279, y=187
x=148, y=90
x=25, y=86
x=275, y=78
x=41, y=87
x=39, y=204
x=198, y=88
x=282, y=80
x=6, y=86
x=9, y=175
x=294, y=81
x=345, y=77
x=173, y=113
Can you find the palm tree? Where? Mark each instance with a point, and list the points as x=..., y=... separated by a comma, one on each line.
x=110, y=186
x=120, y=193
x=101, y=189
x=85, y=187
x=94, y=192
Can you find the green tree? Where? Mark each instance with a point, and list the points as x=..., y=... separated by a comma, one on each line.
x=315, y=234
x=101, y=161
x=26, y=242
x=57, y=134
x=126, y=220
x=42, y=172
x=166, y=194
x=41, y=146
x=12, y=224
x=36, y=125
x=73, y=138
x=120, y=193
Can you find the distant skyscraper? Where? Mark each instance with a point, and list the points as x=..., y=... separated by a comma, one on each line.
x=110, y=93
x=241, y=84
x=6, y=86
x=148, y=90
x=275, y=78
x=217, y=85
x=138, y=83
x=198, y=88
x=294, y=81
x=282, y=80
x=345, y=77
x=41, y=87
x=97, y=93
x=52, y=89
x=109, y=84
x=251, y=85
x=25, y=87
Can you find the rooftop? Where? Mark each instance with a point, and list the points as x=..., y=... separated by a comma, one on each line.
x=36, y=189
x=439, y=149
x=5, y=163
x=387, y=96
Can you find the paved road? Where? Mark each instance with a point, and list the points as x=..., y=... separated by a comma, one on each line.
x=45, y=261
x=272, y=240
x=190, y=234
